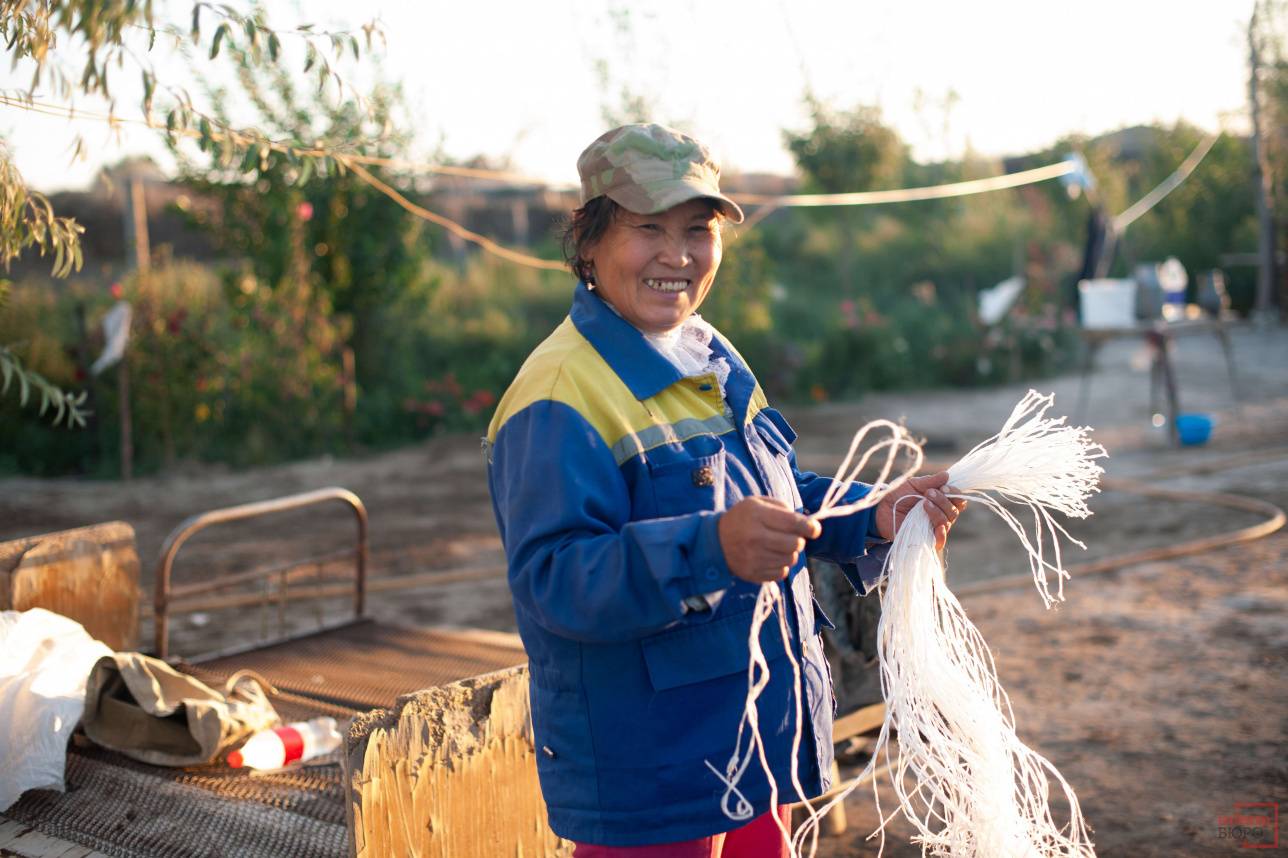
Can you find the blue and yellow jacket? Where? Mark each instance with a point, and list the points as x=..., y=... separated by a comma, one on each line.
x=609, y=472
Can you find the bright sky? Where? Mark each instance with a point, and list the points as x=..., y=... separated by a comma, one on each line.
x=517, y=80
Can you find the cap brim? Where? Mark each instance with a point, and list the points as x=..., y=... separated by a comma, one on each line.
x=655, y=197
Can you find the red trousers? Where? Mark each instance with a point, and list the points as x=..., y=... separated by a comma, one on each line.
x=759, y=838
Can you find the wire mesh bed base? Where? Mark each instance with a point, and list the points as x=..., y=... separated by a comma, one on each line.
x=126, y=809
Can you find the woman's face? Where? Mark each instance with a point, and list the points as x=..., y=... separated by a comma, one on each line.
x=656, y=269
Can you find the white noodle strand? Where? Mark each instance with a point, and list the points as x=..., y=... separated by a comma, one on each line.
x=769, y=602
x=979, y=791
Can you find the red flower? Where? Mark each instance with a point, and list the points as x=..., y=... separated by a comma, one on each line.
x=478, y=400
x=304, y=211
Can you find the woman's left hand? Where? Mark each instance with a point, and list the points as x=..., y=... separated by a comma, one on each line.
x=941, y=510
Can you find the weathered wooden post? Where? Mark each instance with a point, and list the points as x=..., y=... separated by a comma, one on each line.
x=448, y=772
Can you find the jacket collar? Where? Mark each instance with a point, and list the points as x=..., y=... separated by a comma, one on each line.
x=640, y=366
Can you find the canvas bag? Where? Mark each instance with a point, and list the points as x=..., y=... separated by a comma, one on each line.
x=145, y=709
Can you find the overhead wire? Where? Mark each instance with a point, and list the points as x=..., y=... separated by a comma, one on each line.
x=352, y=161
x=766, y=203
x=450, y=225
x=64, y=111
x=953, y=189
x=1129, y=215
x=901, y=195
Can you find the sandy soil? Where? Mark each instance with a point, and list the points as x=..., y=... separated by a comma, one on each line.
x=1158, y=691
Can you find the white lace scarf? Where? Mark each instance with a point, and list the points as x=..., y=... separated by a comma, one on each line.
x=688, y=348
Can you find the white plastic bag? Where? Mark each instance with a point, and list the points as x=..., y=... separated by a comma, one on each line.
x=45, y=659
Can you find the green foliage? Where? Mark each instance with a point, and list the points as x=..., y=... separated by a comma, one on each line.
x=98, y=31
x=1271, y=34
x=1211, y=209
x=55, y=35
x=248, y=365
x=221, y=369
x=64, y=404
x=886, y=299
x=453, y=343
x=27, y=219
x=358, y=250
x=847, y=150
x=38, y=332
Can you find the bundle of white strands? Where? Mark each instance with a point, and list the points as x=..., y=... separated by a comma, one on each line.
x=979, y=792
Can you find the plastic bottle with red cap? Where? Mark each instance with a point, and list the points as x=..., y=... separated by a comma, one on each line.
x=290, y=743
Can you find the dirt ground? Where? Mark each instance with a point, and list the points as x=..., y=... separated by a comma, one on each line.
x=1159, y=691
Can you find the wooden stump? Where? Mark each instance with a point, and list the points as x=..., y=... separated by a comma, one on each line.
x=450, y=771
x=90, y=574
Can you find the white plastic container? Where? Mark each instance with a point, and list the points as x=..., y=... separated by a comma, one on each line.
x=1107, y=303
x=281, y=746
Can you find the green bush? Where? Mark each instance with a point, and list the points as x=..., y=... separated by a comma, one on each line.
x=248, y=365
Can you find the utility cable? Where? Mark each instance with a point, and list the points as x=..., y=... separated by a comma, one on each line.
x=954, y=189
x=450, y=225
x=901, y=195
x=353, y=162
x=1125, y=218
x=770, y=202
x=65, y=112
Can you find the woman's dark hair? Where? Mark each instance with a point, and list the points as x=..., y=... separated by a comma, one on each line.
x=587, y=225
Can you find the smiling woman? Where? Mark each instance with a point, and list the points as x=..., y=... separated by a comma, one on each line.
x=657, y=269
x=645, y=490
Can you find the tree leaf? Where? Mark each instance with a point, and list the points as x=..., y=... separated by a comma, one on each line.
x=274, y=46
x=149, y=88
x=220, y=32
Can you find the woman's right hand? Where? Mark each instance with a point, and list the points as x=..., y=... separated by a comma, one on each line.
x=762, y=538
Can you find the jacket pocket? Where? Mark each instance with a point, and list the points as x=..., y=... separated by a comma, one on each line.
x=777, y=432
x=706, y=651
x=821, y=620
x=774, y=454
x=564, y=749
x=694, y=482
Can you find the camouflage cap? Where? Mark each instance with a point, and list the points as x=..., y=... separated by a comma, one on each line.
x=647, y=169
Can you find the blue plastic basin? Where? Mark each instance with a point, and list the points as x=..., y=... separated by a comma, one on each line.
x=1193, y=429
